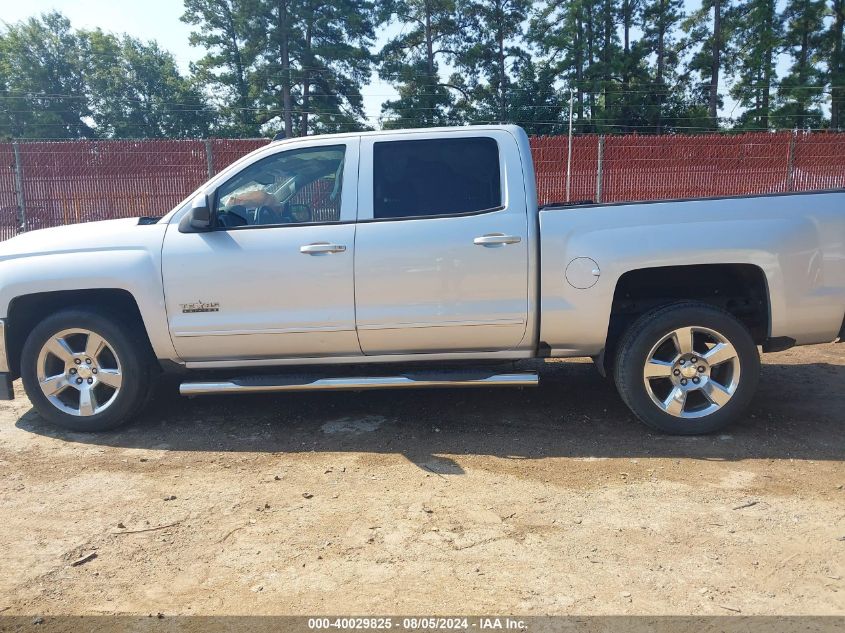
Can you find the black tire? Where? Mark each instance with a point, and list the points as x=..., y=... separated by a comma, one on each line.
x=128, y=346
x=634, y=352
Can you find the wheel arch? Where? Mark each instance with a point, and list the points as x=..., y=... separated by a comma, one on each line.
x=740, y=289
x=26, y=311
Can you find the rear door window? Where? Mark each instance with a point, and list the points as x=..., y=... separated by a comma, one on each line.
x=435, y=177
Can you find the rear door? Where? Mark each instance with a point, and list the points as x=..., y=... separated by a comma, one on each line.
x=441, y=252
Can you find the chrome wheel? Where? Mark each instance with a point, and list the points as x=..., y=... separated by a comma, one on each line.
x=79, y=372
x=692, y=372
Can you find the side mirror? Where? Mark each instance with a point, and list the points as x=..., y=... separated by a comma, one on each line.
x=198, y=219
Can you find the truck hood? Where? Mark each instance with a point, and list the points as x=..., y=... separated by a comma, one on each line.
x=90, y=236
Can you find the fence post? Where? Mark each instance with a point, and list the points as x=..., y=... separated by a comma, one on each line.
x=209, y=159
x=790, y=163
x=599, y=167
x=19, y=187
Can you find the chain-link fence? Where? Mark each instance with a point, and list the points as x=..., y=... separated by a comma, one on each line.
x=53, y=183
x=625, y=168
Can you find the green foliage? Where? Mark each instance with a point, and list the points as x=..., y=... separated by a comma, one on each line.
x=225, y=30
x=135, y=90
x=758, y=36
x=299, y=66
x=834, y=48
x=43, y=81
x=291, y=65
x=61, y=83
x=489, y=52
x=801, y=91
x=411, y=61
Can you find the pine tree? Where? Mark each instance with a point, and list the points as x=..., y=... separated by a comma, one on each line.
x=491, y=48
x=712, y=28
x=224, y=30
x=411, y=61
x=311, y=64
x=608, y=66
x=660, y=20
x=534, y=102
x=757, y=36
x=801, y=91
x=565, y=34
x=836, y=64
x=336, y=62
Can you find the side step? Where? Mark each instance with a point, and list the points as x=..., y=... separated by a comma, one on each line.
x=416, y=380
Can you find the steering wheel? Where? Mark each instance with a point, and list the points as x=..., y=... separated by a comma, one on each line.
x=266, y=215
x=234, y=216
x=299, y=213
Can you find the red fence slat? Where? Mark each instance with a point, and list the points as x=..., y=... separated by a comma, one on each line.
x=9, y=224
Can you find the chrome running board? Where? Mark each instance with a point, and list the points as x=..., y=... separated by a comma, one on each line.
x=267, y=384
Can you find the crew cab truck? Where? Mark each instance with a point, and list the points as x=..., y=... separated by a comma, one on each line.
x=421, y=251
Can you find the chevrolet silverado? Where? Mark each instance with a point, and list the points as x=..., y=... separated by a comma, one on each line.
x=335, y=258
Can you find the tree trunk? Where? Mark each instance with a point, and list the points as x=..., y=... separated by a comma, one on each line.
x=837, y=64
x=606, y=59
x=284, y=53
x=803, y=58
x=627, y=18
x=503, y=77
x=579, y=65
x=591, y=95
x=661, y=64
x=713, y=103
x=768, y=55
x=245, y=114
x=308, y=61
x=429, y=115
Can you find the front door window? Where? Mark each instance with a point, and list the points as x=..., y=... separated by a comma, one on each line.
x=296, y=187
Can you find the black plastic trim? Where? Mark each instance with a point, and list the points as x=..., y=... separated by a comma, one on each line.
x=778, y=344
x=462, y=214
x=249, y=227
x=7, y=391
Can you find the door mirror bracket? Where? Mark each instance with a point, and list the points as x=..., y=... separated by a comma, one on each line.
x=198, y=219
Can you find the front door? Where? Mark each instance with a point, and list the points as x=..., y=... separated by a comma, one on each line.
x=275, y=278
x=441, y=255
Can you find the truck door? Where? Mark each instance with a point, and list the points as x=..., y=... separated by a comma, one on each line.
x=274, y=280
x=441, y=255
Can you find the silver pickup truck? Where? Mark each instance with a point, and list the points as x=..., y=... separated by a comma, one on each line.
x=419, y=257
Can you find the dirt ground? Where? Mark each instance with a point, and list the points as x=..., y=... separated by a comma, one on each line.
x=544, y=501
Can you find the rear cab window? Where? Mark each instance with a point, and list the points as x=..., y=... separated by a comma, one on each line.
x=435, y=177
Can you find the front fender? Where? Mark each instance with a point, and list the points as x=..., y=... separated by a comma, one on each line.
x=135, y=270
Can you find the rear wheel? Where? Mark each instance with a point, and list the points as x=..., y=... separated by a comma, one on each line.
x=687, y=368
x=85, y=371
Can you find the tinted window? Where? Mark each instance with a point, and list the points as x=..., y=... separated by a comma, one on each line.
x=297, y=186
x=435, y=177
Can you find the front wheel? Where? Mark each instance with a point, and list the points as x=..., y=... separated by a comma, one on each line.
x=85, y=371
x=687, y=368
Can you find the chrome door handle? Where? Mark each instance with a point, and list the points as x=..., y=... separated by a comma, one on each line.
x=321, y=248
x=496, y=239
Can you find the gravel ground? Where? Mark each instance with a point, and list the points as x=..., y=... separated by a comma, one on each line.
x=545, y=501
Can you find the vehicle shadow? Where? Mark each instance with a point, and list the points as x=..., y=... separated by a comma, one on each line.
x=797, y=414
